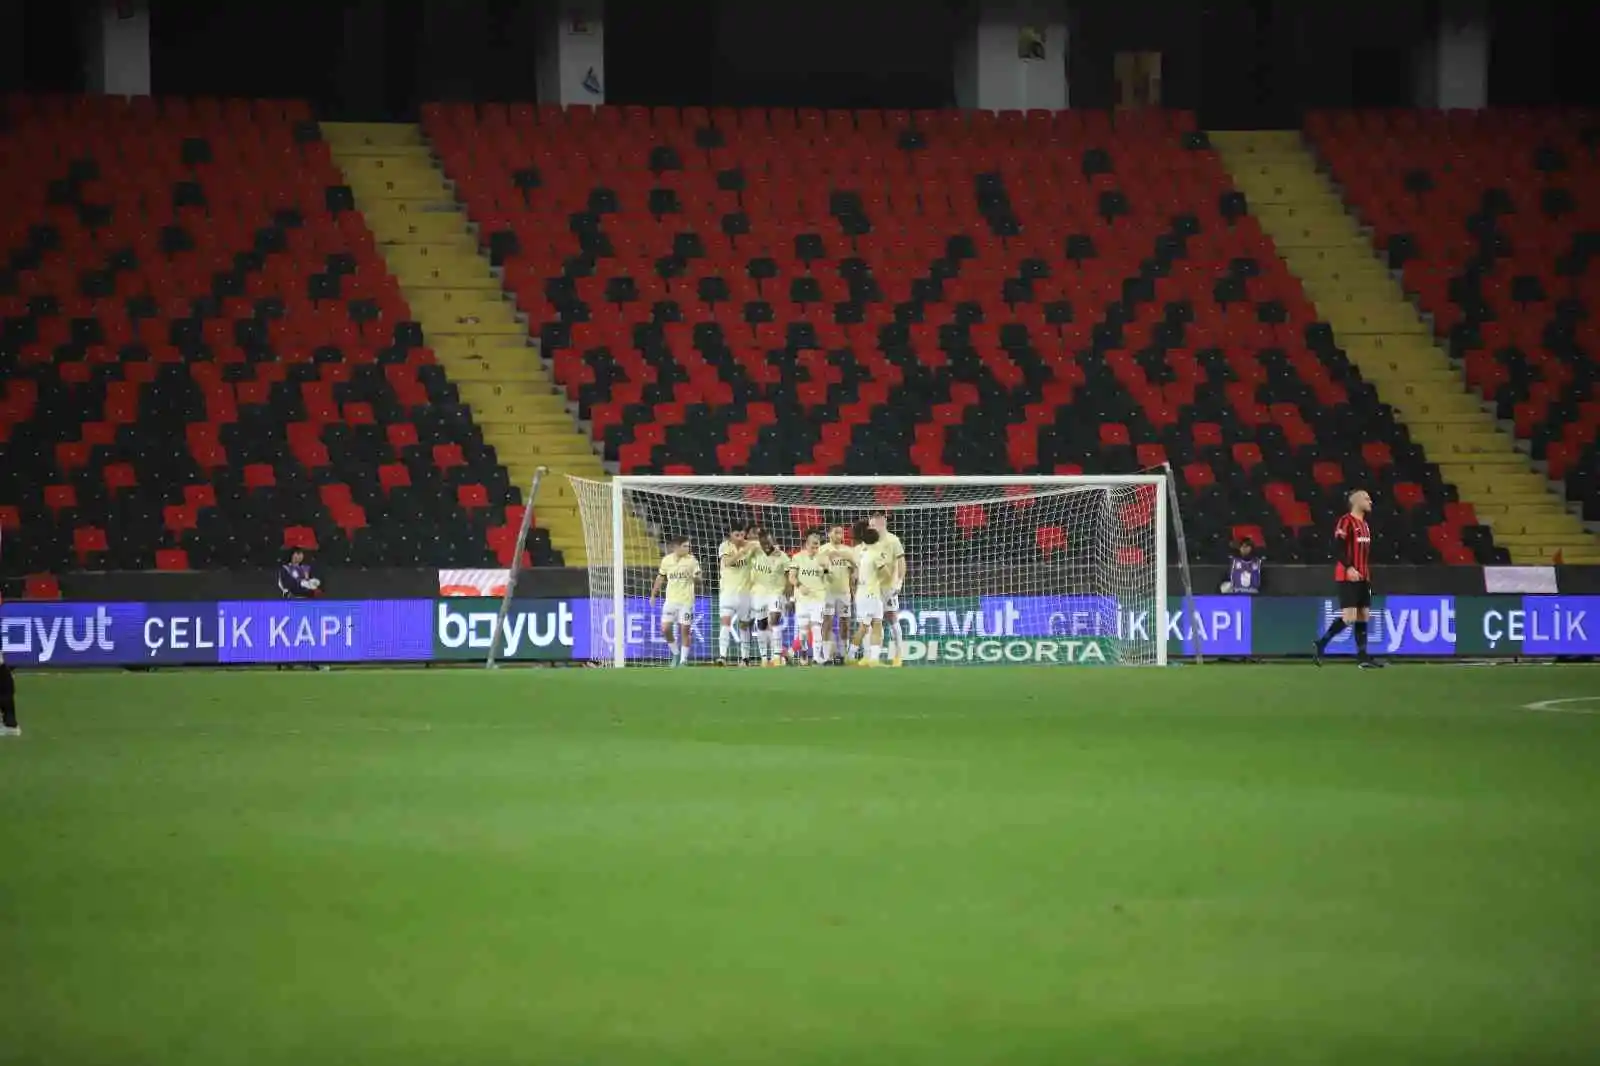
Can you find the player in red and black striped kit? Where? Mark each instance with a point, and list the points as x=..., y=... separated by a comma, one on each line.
x=1353, y=542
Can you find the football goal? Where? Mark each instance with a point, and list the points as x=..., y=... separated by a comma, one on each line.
x=995, y=570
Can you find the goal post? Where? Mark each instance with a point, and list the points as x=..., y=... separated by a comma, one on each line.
x=514, y=568
x=1004, y=569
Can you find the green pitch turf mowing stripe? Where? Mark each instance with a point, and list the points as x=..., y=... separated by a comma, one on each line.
x=1229, y=866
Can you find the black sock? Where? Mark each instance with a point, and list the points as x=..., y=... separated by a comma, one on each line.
x=1361, y=639
x=8, y=698
x=1335, y=627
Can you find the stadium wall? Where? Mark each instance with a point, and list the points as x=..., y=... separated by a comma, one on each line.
x=991, y=71
x=564, y=583
x=118, y=52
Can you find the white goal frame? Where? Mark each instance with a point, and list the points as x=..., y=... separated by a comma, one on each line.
x=1163, y=502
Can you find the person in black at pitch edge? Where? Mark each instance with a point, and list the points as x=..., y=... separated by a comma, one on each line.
x=294, y=577
x=8, y=699
x=296, y=582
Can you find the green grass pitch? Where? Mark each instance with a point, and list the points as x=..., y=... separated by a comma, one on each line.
x=1225, y=865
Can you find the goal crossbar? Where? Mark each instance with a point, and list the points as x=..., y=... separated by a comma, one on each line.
x=1058, y=481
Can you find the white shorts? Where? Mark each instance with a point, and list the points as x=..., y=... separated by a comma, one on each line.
x=808, y=613
x=891, y=601
x=868, y=608
x=736, y=605
x=674, y=615
x=836, y=604
x=765, y=604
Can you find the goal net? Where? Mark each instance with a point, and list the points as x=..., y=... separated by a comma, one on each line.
x=1001, y=570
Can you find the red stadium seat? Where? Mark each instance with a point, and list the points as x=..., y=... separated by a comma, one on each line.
x=172, y=559
x=260, y=210
x=1519, y=321
x=300, y=537
x=41, y=587
x=1051, y=539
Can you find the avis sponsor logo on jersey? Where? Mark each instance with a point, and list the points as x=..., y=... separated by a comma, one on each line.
x=1010, y=651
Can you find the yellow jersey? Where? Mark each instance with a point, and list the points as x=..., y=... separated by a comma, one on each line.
x=767, y=572
x=681, y=571
x=733, y=566
x=810, y=577
x=840, y=562
x=891, y=548
x=869, y=578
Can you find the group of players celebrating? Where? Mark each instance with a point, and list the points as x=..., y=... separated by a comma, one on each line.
x=833, y=582
x=842, y=593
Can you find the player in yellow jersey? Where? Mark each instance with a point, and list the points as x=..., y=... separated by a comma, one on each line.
x=733, y=588
x=808, y=574
x=768, y=590
x=679, y=574
x=873, y=569
x=890, y=545
x=836, y=609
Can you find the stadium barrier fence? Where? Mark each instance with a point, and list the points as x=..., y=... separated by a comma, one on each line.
x=573, y=582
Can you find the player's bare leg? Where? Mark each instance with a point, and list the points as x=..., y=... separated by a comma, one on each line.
x=767, y=641
x=761, y=635
x=858, y=642
x=686, y=635
x=833, y=629
x=874, y=644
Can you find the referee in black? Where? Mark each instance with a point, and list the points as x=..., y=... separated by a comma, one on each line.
x=8, y=697
x=8, y=701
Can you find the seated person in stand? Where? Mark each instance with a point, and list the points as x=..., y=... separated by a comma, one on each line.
x=295, y=581
x=1244, y=570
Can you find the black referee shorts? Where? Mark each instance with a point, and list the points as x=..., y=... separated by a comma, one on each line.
x=1355, y=594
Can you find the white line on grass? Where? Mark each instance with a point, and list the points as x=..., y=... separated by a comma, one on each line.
x=215, y=727
x=1560, y=706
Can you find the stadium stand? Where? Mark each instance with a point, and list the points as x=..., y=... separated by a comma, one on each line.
x=472, y=328
x=935, y=292
x=204, y=358
x=1492, y=219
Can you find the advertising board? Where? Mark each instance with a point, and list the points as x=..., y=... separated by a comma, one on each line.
x=455, y=629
